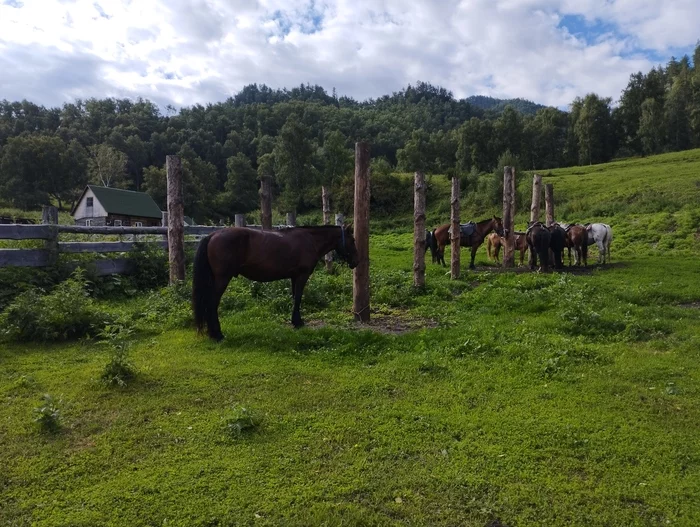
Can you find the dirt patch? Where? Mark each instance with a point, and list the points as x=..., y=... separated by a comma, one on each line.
x=571, y=270
x=395, y=325
x=690, y=305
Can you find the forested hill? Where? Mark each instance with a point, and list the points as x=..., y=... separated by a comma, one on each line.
x=303, y=137
x=496, y=106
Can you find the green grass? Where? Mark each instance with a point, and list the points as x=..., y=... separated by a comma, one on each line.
x=497, y=399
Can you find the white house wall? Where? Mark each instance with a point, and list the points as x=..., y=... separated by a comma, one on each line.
x=98, y=210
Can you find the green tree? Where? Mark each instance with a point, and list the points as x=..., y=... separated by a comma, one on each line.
x=292, y=154
x=651, y=126
x=107, y=166
x=241, y=185
x=593, y=129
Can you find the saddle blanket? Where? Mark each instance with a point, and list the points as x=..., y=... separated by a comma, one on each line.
x=465, y=229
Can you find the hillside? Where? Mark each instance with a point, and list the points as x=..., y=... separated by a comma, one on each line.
x=497, y=105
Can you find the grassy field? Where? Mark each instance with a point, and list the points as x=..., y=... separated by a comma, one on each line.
x=500, y=399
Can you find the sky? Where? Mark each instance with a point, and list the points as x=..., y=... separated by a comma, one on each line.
x=183, y=52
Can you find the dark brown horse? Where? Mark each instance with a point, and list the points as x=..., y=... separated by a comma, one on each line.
x=538, y=239
x=441, y=235
x=263, y=256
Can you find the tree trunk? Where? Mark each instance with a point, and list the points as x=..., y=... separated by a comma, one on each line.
x=536, y=198
x=508, y=216
x=456, y=235
x=326, y=204
x=266, y=202
x=549, y=203
x=176, y=219
x=360, y=282
x=419, y=230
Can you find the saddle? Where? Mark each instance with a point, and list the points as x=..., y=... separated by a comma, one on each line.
x=535, y=224
x=465, y=229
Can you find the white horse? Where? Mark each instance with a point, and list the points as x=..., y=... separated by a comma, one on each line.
x=600, y=234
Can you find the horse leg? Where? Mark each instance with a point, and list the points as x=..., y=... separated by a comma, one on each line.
x=471, y=264
x=601, y=251
x=213, y=324
x=533, y=259
x=299, y=284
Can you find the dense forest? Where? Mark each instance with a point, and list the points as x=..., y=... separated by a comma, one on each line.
x=303, y=138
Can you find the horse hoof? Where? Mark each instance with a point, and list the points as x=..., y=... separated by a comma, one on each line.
x=218, y=337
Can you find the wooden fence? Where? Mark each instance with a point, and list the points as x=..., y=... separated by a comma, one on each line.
x=53, y=246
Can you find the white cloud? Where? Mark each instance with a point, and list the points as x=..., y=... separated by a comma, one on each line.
x=198, y=51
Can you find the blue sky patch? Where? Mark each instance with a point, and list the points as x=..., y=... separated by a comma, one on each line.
x=13, y=3
x=587, y=30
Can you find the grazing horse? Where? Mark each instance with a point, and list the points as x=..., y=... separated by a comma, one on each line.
x=577, y=239
x=474, y=240
x=493, y=246
x=263, y=256
x=538, y=240
x=601, y=235
x=557, y=244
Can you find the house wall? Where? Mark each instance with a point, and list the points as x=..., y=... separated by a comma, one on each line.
x=130, y=221
x=82, y=212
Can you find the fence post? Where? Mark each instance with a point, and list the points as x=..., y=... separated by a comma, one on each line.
x=508, y=215
x=419, y=230
x=536, y=198
x=456, y=236
x=239, y=220
x=266, y=202
x=360, y=278
x=49, y=216
x=549, y=203
x=176, y=219
x=292, y=219
x=326, y=204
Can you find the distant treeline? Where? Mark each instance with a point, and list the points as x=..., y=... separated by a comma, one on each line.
x=303, y=138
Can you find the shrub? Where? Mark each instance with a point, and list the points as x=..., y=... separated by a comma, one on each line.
x=47, y=416
x=65, y=313
x=240, y=421
x=119, y=369
x=150, y=267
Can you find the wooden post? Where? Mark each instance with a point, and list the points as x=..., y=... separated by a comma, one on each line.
x=326, y=204
x=419, y=230
x=176, y=219
x=536, y=198
x=549, y=203
x=266, y=202
x=292, y=219
x=360, y=278
x=239, y=220
x=508, y=216
x=456, y=235
x=49, y=216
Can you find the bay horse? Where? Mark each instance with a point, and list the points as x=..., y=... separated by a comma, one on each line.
x=577, y=239
x=601, y=235
x=263, y=256
x=538, y=240
x=442, y=237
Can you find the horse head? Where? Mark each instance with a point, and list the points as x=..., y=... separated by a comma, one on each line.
x=346, y=247
x=498, y=226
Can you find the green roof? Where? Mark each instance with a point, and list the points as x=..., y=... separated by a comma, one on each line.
x=126, y=202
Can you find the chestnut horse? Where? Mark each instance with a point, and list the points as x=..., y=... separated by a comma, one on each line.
x=263, y=256
x=441, y=235
x=577, y=239
x=494, y=242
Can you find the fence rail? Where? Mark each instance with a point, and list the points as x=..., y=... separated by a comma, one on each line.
x=50, y=234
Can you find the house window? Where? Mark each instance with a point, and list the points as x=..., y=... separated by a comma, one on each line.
x=89, y=202
x=117, y=223
x=88, y=223
x=138, y=224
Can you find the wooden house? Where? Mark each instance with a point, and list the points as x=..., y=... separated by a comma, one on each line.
x=116, y=207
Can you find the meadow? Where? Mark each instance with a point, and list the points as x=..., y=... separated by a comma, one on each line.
x=499, y=399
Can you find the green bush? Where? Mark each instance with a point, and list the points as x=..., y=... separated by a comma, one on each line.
x=65, y=313
x=119, y=370
x=48, y=416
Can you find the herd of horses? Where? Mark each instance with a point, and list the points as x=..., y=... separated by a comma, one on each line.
x=545, y=243
x=293, y=254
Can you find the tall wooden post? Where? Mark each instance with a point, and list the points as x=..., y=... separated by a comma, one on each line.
x=549, y=203
x=508, y=216
x=360, y=278
x=176, y=219
x=266, y=202
x=536, y=198
x=456, y=234
x=239, y=220
x=49, y=216
x=419, y=230
x=292, y=219
x=326, y=205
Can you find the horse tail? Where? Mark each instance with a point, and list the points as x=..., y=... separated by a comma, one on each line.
x=433, y=245
x=202, y=284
